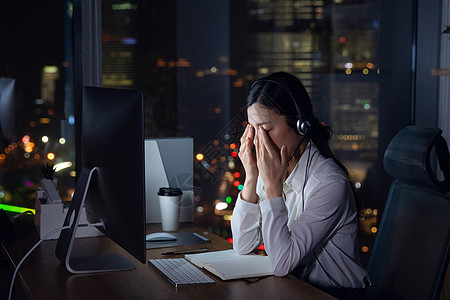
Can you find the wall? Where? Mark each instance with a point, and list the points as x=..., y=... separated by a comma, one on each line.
x=444, y=81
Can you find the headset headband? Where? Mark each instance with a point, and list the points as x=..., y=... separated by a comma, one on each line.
x=303, y=126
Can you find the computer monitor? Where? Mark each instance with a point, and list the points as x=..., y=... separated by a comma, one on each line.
x=7, y=111
x=111, y=183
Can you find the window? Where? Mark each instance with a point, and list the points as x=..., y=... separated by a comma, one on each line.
x=196, y=60
x=36, y=52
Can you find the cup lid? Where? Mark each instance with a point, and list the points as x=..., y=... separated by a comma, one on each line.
x=168, y=191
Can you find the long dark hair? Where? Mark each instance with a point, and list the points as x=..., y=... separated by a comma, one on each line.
x=278, y=91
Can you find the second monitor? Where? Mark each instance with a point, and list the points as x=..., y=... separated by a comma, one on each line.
x=169, y=162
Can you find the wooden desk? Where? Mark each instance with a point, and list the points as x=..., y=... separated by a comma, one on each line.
x=42, y=276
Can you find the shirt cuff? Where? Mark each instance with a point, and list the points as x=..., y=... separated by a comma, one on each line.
x=273, y=205
x=246, y=206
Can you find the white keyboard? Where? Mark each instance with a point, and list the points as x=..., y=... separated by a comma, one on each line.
x=180, y=272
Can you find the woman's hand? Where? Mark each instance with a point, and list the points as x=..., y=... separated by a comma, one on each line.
x=246, y=154
x=272, y=164
x=248, y=160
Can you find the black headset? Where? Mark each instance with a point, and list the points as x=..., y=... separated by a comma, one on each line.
x=303, y=126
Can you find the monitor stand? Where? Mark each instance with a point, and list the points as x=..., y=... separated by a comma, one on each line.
x=89, y=264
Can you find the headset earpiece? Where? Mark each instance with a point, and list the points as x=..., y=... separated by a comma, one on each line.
x=303, y=127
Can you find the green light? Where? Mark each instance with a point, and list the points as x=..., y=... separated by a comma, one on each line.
x=228, y=199
x=16, y=209
x=240, y=187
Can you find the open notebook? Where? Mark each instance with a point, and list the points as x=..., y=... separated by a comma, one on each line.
x=229, y=265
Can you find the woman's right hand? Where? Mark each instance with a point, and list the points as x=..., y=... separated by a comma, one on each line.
x=248, y=159
x=247, y=156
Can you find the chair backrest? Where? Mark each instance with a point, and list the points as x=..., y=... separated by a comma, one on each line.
x=411, y=252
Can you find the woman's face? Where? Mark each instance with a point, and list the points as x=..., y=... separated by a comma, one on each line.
x=275, y=125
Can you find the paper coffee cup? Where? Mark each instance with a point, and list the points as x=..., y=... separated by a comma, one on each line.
x=169, y=202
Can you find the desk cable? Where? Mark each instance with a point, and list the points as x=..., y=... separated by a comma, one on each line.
x=29, y=212
x=36, y=245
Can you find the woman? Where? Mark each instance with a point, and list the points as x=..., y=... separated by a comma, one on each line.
x=297, y=198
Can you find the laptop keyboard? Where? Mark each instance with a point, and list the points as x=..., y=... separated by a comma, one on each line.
x=180, y=272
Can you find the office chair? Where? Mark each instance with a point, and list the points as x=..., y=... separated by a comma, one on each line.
x=411, y=251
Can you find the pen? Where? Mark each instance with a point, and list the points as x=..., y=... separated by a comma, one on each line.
x=201, y=237
x=185, y=251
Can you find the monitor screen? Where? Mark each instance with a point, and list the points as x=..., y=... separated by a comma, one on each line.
x=7, y=111
x=111, y=183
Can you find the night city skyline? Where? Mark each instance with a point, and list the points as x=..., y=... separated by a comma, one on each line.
x=337, y=62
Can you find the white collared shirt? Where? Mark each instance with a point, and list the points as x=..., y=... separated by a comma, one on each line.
x=314, y=237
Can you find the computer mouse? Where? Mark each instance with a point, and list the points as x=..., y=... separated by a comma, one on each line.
x=160, y=237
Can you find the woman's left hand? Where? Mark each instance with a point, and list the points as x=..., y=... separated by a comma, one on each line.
x=272, y=164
